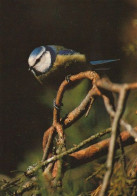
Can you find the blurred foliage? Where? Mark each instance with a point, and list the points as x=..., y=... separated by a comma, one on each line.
x=130, y=114
x=122, y=184
x=131, y=48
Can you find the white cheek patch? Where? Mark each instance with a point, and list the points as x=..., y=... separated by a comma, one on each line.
x=44, y=64
x=31, y=61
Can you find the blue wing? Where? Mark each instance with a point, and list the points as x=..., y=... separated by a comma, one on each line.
x=103, y=61
x=67, y=52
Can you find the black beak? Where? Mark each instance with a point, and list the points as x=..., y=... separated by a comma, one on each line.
x=30, y=68
x=34, y=74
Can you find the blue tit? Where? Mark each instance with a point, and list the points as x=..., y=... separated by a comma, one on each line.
x=57, y=61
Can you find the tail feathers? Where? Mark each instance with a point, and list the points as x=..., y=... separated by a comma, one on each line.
x=103, y=61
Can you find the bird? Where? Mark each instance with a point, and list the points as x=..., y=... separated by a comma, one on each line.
x=57, y=62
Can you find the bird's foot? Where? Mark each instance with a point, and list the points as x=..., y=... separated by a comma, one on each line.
x=57, y=106
x=67, y=78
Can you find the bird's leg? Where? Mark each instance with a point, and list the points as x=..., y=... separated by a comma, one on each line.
x=67, y=78
x=57, y=106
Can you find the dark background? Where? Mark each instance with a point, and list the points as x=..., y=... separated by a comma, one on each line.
x=101, y=29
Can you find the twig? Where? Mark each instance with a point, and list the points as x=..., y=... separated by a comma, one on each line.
x=90, y=105
x=74, y=115
x=129, y=128
x=110, y=110
x=85, y=105
x=106, y=84
x=93, y=76
x=81, y=156
x=78, y=111
x=56, y=157
x=110, y=159
x=123, y=154
x=10, y=183
x=57, y=125
x=26, y=187
x=89, y=153
x=45, y=154
x=97, y=150
x=75, y=155
x=96, y=172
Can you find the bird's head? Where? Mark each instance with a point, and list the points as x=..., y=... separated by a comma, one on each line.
x=40, y=60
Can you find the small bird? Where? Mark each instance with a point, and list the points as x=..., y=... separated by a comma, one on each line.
x=57, y=61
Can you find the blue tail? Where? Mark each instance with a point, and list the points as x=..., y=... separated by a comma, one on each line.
x=103, y=61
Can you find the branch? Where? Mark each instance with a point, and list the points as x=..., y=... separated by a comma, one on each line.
x=56, y=160
x=99, y=149
x=90, y=152
x=76, y=158
x=78, y=111
x=110, y=159
x=106, y=84
x=60, y=124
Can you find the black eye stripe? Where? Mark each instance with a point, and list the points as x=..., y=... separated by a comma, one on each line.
x=37, y=61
